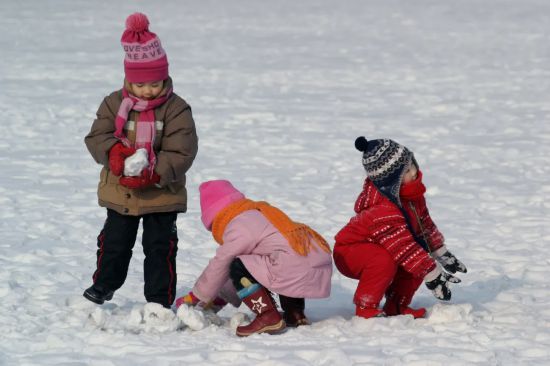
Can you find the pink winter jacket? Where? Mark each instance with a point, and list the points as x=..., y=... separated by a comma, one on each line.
x=269, y=258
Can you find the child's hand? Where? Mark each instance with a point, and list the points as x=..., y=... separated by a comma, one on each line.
x=117, y=155
x=449, y=261
x=191, y=300
x=440, y=284
x=143, y=181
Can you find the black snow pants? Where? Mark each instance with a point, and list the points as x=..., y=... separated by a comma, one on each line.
x=160, y=245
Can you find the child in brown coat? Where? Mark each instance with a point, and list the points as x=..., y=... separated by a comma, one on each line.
x=148, y=185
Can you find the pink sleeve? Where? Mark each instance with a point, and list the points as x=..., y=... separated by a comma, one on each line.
x=237, y=241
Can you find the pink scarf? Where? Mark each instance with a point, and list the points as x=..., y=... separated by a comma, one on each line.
x=145, y=125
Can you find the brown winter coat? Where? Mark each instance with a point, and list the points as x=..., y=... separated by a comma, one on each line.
x=175, y=146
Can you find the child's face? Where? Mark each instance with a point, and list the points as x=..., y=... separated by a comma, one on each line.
x=147, y=91
x=411, y=174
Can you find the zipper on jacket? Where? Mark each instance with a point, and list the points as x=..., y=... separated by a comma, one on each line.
x=411, y=205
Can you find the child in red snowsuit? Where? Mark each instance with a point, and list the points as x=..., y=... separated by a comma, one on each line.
x=391, y=245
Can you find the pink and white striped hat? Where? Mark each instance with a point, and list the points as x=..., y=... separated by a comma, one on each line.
x=145, y=59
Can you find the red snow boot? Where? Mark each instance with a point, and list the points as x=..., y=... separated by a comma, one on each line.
x=368, y=312
x=392, y=308
x=268, y=320
x=399, y=295
x=293, y=309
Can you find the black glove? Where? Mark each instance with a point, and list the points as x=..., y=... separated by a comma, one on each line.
x=440, y=285
x=449, y=261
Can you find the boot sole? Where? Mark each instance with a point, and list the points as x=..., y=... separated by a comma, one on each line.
x=297, y=324
x=270, y=329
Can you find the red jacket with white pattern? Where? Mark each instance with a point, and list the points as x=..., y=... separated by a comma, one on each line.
x=380, y=221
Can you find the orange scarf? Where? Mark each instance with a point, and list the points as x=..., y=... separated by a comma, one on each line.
x=298, y=235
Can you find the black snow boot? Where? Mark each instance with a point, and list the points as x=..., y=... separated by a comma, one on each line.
x=98, y=294
x=293, y=309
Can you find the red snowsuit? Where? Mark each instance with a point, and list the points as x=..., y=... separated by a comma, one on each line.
x=377, y=248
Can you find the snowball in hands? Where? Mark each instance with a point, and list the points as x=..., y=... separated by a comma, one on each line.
x=133, y=165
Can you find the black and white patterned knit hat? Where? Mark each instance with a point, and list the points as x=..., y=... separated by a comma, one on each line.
x=385, y=162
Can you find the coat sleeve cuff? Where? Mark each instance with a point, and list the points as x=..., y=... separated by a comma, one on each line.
x=432, y=275
x=438, y=252
x=200, y=295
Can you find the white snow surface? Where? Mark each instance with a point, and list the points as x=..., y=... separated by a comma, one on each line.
x=279, y=91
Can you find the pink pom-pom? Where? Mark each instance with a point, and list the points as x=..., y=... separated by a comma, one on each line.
x=137, y=22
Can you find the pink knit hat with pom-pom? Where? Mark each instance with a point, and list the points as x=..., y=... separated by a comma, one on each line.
x=145, y=59
x=215, y=195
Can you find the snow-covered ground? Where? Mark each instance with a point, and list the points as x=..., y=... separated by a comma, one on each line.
x=280, y=90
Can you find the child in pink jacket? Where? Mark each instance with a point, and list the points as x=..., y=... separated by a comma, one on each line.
x=261, y=250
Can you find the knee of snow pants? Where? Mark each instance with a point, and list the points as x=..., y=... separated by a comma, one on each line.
x=369, y=263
